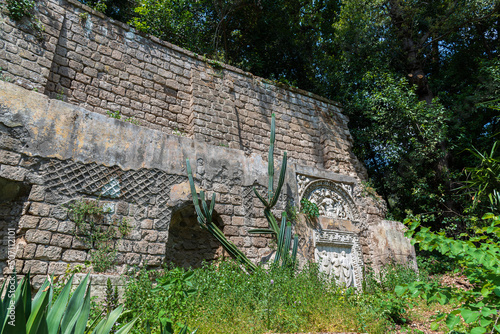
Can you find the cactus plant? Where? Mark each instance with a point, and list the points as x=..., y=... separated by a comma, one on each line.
x=204, y=214
x=272, y=195
x=283, y=233
x=284, y=240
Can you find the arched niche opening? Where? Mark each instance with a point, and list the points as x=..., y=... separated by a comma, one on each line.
x=13, y=198
x=188, y=245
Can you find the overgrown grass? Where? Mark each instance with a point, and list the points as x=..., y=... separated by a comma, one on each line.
x=276, y=300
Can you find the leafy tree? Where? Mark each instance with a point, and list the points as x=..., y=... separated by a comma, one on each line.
x=413, y=77
x=418, y=79
x=118, y=9
x=273, y=39
x=186, y=23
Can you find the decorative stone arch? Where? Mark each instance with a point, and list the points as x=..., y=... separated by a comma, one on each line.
x=188, y=244
x=334, y=199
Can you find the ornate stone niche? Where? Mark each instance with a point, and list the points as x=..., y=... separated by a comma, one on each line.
x=339, y=256
x=334, y=199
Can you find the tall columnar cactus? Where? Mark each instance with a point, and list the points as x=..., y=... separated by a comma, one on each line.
x=204, y=214
x=272, y=195
x=284, y=239
x=283, y=233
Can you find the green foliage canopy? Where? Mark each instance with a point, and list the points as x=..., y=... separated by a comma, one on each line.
x=418, y=79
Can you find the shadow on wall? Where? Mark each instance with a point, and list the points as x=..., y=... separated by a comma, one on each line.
x=188, y=245
x=13, y=196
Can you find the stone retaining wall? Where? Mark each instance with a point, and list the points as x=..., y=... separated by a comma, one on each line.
x=104, y=65
x=57, y=153
x=58, y=145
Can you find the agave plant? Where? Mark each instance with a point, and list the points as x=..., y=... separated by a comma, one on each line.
x=19, y=314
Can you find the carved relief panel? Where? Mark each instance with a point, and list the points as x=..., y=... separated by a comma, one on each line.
x=334, y=199
x=339, y=257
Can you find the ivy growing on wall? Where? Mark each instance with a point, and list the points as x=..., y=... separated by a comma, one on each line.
x=24, y=10
x=18, y=9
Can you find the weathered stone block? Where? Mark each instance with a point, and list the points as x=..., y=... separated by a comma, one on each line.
x=79, y=243
x=238, y=221
x=37, y=193
x=38, y=237
x=147, y=224
x=157, y=248
x=153, y=260
x=162, y=236
x=66, y=227
x=61, y=240
x=238, y=241
x=150, y=236
x=134, y=235
x=231, y=230
x=35, y=267
x=29, y=251
x=133, y=259
x=140, y=247
x=57, y=268
x=59, y=212
x=39, y=209
x=259, y=242
x=28, y=222
x=48, y=253
x=9, y=158
x=74, y=256
x=49, y=224
x=124, y=245
x=13, y=173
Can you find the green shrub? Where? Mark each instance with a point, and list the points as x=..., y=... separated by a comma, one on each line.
x=18, y=9
x=167, y=301
x=378, y=290
x=390, y=276
x=222, y=298
x=97, y=231
x=309, y=208
x=478, y=257
x=435, y=263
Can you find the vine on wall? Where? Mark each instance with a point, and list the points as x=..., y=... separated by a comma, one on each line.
x=94, y=228
x=24, y=11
